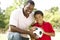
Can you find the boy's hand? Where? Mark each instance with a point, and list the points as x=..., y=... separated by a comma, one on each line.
x=43, y=31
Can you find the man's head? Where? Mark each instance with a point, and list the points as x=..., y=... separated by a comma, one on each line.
x=38, y=15
x=28, y=7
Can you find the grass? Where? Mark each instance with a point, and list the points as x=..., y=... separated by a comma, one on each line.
x=3, y=37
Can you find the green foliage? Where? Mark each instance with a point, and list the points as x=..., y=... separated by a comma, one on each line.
x=8, y=11
x=2, y=18
x=52, y=15
x=54, y=9
x=17, y=2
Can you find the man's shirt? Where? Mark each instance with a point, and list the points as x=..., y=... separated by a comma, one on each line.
x=18, y=19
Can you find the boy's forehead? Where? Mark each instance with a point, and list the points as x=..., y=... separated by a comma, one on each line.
x=38, y=15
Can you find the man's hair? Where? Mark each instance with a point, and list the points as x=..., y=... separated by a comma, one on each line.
x=31, y=2
x=38, y=12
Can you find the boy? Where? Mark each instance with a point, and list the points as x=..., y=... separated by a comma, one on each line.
x=46, y=26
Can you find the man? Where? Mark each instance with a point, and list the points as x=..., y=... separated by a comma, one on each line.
x=20, y=20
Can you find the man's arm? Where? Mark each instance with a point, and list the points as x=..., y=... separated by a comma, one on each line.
x=16, y=29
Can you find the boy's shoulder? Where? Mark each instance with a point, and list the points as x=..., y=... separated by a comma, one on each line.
x=47, y=23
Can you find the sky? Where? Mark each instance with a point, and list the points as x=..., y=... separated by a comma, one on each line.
x=5, y=3
x=39, y=4
x=46, y=4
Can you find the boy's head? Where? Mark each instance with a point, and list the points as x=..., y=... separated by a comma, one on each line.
x=38, y=15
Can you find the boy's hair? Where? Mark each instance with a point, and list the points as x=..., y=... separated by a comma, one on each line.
x=38, y=12
x=31, y=2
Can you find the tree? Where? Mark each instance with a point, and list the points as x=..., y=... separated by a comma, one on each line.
x=53, y=15
x=54, y=9
x=16, y=4
x=2, y=18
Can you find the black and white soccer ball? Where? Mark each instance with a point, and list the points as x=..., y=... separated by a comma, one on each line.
x=38, y=31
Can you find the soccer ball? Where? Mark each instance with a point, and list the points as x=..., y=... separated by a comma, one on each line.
x=38, y=31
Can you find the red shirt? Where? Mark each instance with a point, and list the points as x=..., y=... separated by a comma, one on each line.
x=47, y=27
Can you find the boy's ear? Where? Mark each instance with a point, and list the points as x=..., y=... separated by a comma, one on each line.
x=42, y=16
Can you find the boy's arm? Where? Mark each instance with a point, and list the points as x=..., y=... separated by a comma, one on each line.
x=50, y=34
x=51, y=31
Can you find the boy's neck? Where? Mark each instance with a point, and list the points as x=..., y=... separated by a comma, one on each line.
x=41, y=23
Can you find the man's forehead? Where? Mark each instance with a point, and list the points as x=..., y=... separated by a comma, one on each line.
x=28, y=5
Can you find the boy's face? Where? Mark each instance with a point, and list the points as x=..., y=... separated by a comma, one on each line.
x=39, y=18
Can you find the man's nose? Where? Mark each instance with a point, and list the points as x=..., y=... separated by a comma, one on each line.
x=29, y=10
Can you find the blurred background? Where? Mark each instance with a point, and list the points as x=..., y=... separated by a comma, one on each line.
x=50, y=8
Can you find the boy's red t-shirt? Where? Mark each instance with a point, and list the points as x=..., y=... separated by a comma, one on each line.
x=47, y=27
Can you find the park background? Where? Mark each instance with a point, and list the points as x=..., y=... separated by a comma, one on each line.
x=50, y=8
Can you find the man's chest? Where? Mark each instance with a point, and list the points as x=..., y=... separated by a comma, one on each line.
x=24, y=22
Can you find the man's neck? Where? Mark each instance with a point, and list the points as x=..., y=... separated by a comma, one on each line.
x=25, y=14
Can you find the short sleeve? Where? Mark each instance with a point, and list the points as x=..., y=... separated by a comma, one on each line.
x=14, y=18
x=51, y=28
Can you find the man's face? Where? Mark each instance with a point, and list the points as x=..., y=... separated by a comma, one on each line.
x=39, y=18
x=28, y=8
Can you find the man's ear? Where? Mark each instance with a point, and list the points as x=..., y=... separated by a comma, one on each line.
x=24, y=5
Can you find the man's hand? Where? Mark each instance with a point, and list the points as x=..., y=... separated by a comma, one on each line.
x=32, y=35
x=32, y=29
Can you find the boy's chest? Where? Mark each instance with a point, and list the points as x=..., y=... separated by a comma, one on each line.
x=45, y=28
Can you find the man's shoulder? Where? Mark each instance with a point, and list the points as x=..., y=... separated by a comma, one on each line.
x=17, y=11
x=32, y=14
